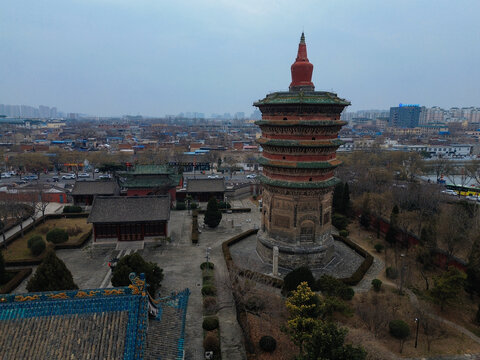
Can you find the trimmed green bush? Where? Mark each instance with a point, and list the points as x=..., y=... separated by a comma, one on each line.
x=209, y=290
x=211, y=343
x=340, y=221
x=193, y=206
x=37, y=247
x=399, y=329
x=213, y=215
x=33, y=239
x=377, y=284
x=210, y=305
x=391, y=272
x=210, y=323
x=344, y=233
x=180, y=206
x=295, y=277
x=379, y=247
x=71, y=209
x=207, y=279
x=207, y=265
x=57, y=236
x=346, y=293
x=267, y=343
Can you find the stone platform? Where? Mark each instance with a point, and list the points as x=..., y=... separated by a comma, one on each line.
x=344, y=261
x=313, y=255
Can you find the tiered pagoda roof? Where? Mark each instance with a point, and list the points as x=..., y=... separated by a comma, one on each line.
x=300, y=131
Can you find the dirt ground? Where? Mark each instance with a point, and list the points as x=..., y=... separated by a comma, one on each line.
x=461, y=312
x=19, y=249
x=387, y=305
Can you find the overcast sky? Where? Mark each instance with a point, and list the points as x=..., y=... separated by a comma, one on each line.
x=154, y=57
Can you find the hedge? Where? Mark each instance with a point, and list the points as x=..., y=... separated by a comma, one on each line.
x=21, y=274
x=28, y=262
x=358, y=275
x=72, y=209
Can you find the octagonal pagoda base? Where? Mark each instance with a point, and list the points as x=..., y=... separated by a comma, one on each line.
x=292, y=256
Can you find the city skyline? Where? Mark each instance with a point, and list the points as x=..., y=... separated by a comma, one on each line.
x=152, y=58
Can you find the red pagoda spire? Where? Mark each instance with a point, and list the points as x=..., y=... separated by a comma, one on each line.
x=302, y=69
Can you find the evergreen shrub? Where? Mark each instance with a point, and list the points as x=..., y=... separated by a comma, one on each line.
x=210, y=323
x=295, y=277
x=267, y=343
x=211, y=343
x=57, y=236
x=209, y=290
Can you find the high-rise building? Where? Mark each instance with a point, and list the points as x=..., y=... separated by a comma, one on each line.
x=299, y=140
x=405, y=116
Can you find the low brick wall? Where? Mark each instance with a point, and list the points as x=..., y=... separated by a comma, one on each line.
x=21, y=274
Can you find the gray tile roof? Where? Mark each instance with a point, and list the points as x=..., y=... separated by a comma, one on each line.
x=100, y=187
x=76, y=336
x=119, y=209
x=205, y=185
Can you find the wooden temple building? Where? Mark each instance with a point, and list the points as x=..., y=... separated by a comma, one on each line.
x=84, y=192
x=129, y=218
x=150, y=180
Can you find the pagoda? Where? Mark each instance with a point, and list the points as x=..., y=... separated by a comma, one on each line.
x=299, y=140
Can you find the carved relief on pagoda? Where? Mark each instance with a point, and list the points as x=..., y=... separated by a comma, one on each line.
x=298, y=150
x=270, y=170
x=297, y=192
x=300, y=130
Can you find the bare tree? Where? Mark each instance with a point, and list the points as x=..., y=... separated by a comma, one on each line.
x=42, y=200
x=452, y=229
x=433, y=329
x=373, y=313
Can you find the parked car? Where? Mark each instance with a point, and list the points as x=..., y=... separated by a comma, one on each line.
x=69, y=177
x=6, y=175
x=83, y=175
x=213, y=177
x=30, y=177
x=105, y=177
x=251, y=176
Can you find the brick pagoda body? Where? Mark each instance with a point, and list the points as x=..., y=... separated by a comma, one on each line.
x=299, y=140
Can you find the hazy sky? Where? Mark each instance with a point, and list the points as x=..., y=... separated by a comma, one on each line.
x=154, y=57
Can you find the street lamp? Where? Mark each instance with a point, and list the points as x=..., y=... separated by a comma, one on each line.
x=417, y=320
x=207, y=255
x=402, y=272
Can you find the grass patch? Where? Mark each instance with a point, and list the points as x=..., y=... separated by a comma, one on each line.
x=18, y=249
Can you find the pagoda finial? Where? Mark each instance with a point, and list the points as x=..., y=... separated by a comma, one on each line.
x=302, y=69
